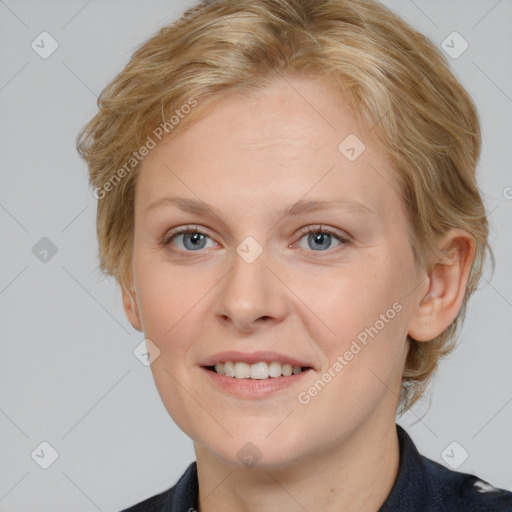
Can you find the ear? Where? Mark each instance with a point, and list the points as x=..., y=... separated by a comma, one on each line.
x=131, y=307
x=447, y=282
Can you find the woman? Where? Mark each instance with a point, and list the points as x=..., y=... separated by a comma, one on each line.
x=287, y=198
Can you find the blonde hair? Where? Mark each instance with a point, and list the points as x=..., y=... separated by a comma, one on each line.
x=396, y=81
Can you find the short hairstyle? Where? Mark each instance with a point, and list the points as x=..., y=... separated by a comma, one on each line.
x=398, y=84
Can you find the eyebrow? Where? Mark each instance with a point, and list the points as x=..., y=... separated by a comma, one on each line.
x=300, y=207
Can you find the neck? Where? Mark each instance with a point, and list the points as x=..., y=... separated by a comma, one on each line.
x=355, y=476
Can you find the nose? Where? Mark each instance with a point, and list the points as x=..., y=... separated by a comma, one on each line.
x=251, y=296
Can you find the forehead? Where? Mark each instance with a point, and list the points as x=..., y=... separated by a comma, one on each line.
x=285, y=142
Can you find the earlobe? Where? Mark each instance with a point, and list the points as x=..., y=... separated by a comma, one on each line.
x=447, y=282
x=131, y=308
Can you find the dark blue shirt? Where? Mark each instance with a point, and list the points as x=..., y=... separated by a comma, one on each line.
x=421, y=485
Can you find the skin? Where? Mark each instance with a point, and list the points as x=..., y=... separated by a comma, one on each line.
x=249, y=157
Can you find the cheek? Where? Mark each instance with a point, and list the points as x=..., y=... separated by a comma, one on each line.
x=166, y=295
x=365, y=355
x=169, y=301
x=351, y=300
x=366, y=313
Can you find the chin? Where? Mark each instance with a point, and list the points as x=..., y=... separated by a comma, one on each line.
x=269, y=457
x=258, y=448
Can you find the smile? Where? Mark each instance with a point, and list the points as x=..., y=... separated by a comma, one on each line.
x=258, y=371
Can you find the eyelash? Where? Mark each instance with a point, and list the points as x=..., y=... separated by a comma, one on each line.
x=169, y=237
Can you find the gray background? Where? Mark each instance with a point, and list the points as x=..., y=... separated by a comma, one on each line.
x=68, y=373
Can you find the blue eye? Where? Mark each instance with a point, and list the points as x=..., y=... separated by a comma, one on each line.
x=317, y=237
x=193, y=239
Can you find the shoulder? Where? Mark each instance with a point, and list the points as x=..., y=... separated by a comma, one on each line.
x=156, y=503
x=464, y=491
x=423, y=485
x=180, y=497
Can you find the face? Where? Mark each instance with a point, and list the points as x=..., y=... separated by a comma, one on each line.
x=331, y=287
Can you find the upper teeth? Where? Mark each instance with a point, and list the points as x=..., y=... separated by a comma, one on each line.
x=261, y=370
